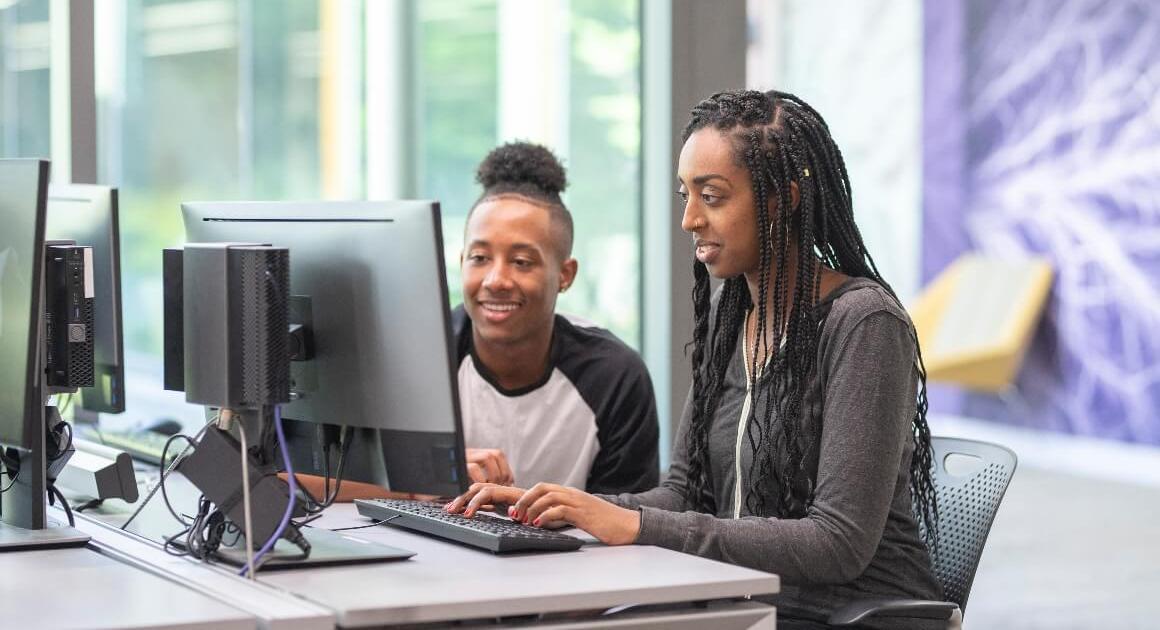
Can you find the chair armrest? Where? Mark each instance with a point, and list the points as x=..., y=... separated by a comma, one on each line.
x=858, y=611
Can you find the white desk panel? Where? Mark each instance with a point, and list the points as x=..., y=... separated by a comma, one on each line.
x=446, y=581
x=80, y=588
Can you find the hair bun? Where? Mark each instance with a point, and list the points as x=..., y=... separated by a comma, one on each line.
x=519, y=164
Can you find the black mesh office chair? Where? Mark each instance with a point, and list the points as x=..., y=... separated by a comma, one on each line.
x=967, y=503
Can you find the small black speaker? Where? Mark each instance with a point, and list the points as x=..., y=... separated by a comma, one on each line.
x=235, y=320
x=68, y=297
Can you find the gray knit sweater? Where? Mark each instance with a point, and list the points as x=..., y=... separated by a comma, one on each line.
x=859, y=537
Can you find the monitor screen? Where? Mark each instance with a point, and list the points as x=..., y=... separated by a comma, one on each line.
x=23, y=186
x=88, y=215
x=368, y=281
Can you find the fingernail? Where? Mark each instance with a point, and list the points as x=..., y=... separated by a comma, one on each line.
x=536, y=522
x=511, y=511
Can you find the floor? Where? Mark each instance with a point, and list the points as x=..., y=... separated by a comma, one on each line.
x=1070, y=547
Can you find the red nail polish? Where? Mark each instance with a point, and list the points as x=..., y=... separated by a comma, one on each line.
x=536, y=522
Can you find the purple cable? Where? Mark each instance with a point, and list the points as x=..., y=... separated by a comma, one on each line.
x=293, y=492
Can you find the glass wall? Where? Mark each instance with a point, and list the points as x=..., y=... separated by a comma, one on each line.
x=860, y=65
x=240, y=99
x=204, y=99
x=566, y=74
x=25, y=61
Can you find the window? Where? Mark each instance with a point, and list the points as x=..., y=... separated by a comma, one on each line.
x=225, y=99
x=25, y=60
x=565, y=74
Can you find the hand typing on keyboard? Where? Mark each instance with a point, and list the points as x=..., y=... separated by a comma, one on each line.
x=548, y=505
x=485, y=531
x=489, y=465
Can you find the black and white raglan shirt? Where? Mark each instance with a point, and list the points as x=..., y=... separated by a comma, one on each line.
x=590, y=422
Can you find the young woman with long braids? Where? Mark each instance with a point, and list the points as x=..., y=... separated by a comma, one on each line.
x=803, y=448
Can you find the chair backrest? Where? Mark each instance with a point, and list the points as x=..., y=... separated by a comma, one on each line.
x=967, y=503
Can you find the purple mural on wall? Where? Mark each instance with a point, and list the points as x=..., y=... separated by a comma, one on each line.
x=1042, y=135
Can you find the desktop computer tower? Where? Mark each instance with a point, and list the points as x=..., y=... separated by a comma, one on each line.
x=68, y=297
x=234, y=321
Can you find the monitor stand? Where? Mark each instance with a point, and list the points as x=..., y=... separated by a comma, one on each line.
x=55, y=535
x=24, y=522
x=327, y=548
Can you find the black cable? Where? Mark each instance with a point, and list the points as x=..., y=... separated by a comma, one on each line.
x=344, y=444
x=68, y=445
x=232, y=528
x=164, y=494
x=165, y=472
x=309, y=519
x=314, y=506
x=193, y=532
x=326, y=475
x=170, y=541
x=88, y=505
x=63, y=503
x=165, y=448
x=12, y=472
x=382, y=522
x=195, y=539
x=215, y=529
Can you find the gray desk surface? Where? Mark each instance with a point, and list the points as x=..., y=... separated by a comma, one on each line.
x=275, y=610
x=81, y=588
x=446, y=582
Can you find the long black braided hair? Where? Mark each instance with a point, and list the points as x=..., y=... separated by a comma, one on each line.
x=780, y=139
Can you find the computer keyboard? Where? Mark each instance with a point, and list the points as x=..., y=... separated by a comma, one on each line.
x=140, y=444
x=495, y=534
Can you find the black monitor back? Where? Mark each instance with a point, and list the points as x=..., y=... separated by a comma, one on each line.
x=369, y=280
x=88, y=215
x=23, y=190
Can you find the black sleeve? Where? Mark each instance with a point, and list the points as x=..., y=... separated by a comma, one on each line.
x=628, y=432
x=460, y=333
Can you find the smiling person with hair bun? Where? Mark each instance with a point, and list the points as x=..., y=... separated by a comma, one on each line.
x=545, y=398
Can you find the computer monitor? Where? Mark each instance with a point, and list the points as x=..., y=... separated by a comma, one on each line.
x=368, y=282
x=23, y=513
x=88, y=215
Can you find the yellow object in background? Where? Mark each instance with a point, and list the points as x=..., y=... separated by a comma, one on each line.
x=976, y=319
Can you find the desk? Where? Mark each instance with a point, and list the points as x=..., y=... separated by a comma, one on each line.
x=81, y=588
x=447, y=582
x=275, y=610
